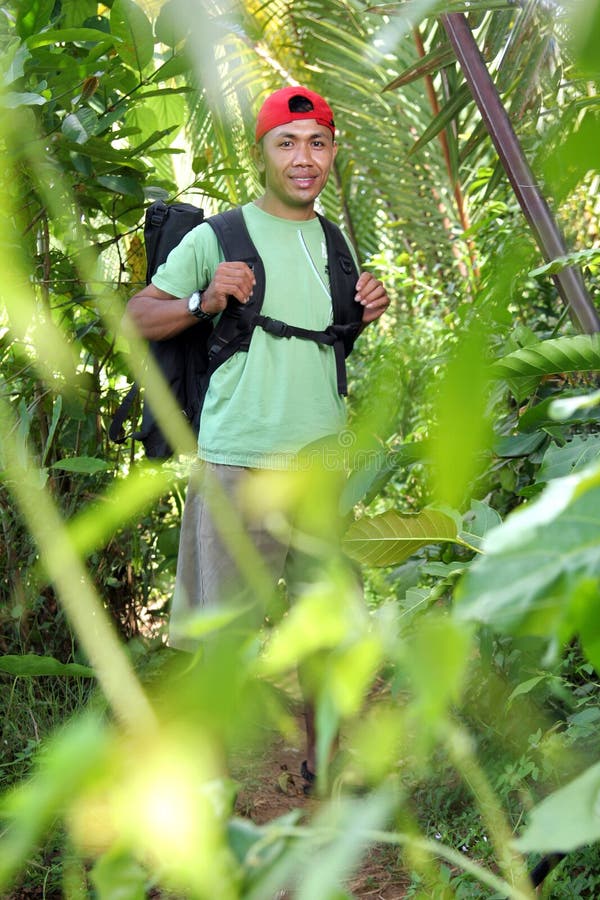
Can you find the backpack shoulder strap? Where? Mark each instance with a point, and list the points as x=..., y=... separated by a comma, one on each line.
x=237, y=245
x=343, y=275
x=234, y=328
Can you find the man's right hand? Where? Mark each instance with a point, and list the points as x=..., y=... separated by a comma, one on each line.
x=234, y=279
x=157, y=315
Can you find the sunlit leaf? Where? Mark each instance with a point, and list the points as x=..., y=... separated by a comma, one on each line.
x=80, y=126
x=14, y=99
x=462, y=429
x=33, y=15
x=565, y=407
x=119, y=875
x=535, y=559
x=567, y=819
x=87, y=465
x=67, y=35
x=580, y=353
x=128, y=22
x=389, y=539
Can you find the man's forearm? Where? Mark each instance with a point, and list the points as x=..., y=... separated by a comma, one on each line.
x=157, y=319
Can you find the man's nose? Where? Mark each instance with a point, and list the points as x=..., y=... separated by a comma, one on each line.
x=302, y=155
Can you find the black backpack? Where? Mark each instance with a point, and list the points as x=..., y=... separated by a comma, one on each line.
x=188, y=360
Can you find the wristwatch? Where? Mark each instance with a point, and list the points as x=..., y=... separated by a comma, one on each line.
x=195, y=307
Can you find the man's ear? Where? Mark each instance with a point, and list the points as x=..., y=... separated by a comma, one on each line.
x=257, y=156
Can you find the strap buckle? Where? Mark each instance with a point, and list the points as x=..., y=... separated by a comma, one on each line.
x=276, y=327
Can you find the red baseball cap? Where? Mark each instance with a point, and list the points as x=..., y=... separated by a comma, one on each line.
x=278, y=110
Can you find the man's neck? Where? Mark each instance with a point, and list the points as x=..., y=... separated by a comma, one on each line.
x=273, y=208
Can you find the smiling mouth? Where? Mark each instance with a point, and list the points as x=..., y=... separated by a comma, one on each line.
x=304, y=180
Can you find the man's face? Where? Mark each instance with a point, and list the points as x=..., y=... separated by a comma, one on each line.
x=296, y=160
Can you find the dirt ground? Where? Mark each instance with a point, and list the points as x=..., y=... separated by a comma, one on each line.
x=274, y=786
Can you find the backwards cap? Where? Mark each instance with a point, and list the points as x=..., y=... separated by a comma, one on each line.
x=276, y=110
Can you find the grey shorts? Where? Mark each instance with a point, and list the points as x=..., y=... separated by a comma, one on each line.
x=227, y=558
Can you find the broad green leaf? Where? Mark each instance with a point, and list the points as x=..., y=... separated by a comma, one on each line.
x=389, y=539
x=85, y=465
x=445, y=570
x=206, y=622
x=14, y=99
x=96, y=148
x=567, y=819
x=587, y=35
x=129, y=23
x=374, y=468
x=122, y=184
x=327, y=615
x=580, y=353
x=163, y=92
x=177, y=65
x=160, y=110
x=481, y=518
x=33, y=15
x=565, y=407
x=80, y=126
x=544, y=414
x=461, y=435
x=154, y=138
x=249, y=846
x=118, y=876
x=16, y=67
x=536, y=558
x=76, y=12
x=32, y=665
x=171, y=27
x=68, y=35
x=514, y=445
x=577, y=453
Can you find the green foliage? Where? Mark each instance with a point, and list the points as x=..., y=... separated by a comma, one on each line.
x=466, y=686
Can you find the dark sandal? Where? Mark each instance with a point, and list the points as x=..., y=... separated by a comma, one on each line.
x=309, y=778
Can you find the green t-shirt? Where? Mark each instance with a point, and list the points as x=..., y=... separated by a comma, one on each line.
x=265, y=405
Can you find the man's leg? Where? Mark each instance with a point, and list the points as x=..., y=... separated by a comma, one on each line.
x=215, y=530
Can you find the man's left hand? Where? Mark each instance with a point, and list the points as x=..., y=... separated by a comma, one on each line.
x=373, y=296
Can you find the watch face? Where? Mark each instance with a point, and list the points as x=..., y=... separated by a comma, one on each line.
x=194, y=302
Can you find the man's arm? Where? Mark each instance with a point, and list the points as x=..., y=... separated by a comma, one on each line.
x=372, y=294
x=157, y=315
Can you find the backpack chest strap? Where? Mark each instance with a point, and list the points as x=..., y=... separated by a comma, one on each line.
x=333, y=336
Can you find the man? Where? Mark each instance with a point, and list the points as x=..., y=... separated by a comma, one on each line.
x=264, y=405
